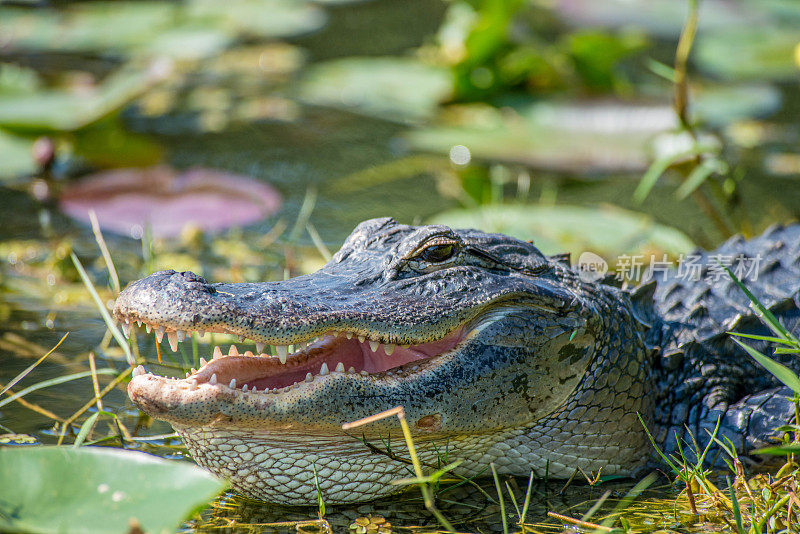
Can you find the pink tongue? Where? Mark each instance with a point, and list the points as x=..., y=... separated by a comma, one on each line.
x=378, y=361
x=352, y=353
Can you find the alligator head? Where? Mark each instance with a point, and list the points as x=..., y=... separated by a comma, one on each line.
x=478, y=336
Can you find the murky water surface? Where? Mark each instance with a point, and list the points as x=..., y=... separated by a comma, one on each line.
x=316, y=158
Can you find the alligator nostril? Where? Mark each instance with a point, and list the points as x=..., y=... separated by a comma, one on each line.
x=192, y=277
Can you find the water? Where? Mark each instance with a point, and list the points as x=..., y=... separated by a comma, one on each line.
x=41, y=297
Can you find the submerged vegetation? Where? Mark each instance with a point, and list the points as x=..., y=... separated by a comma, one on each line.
x=560, y=121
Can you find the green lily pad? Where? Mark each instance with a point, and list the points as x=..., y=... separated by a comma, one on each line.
x=605, y=230
x=101, y=26
x=259, y=18
x=15, y=153
x=88, y=489
x=191, y=30
x=664, y=18
x=720, y=105
x=398, y=89
x=16, y=80
x=582, y=138
x=64, y=110
x=753, y=52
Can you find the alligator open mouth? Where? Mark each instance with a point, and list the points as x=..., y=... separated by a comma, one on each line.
x=307, y=360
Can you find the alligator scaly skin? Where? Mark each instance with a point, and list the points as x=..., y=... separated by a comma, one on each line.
x=552, y=374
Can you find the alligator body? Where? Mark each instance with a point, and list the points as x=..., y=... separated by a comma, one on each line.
x=497, y=353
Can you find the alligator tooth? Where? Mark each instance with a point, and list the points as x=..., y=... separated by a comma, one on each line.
x=193, y=370
x=348, y=335
x=389, y=348
x=126, y=329
x=309, y=377
x=324, y=369
x=260, y=348
x=139, y=322
x=352, y=370
x=147, y=327
x=181, y=335
x=213, y=379
x=361, y=339
x=232, y=384
x=201, y=333
x=373, y=345
x=248, y=353
x=233, y=351
x=244, y=388
x=282, y=350
x=363, y=372
x=340, y=367
x=334, y=333
x=217, y=352
x=159, y=333
x=187, y=374
x=241, y=339
x=173, y=341
x=138, y=370
x=203, y=362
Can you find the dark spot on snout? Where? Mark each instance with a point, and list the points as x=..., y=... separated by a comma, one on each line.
x=430, y=423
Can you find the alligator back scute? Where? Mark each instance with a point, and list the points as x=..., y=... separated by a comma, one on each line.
x=701, y=371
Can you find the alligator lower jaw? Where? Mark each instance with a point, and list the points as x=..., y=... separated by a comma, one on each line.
x=336, y=353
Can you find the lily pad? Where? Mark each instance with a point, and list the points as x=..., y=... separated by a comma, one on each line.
x=15, y=153
x=194, y=29
x=719, y=105
x=583, y=138
x=663, y=18
x=605, y=230
x=166, y=201
x=87, y=490
x=752, y=52
x=259, y=18
x=70, y=110
x=398, y=89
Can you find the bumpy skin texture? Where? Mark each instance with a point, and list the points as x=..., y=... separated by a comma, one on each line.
x=550, y=378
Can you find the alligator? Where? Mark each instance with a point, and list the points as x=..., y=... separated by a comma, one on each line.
x=497, y=353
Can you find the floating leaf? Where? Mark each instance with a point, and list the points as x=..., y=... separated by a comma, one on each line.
x=259, y=18
x=607, y=231
x=720, y=105
x=580, y=138
x=664, y=18
x=15, y=153
x=66, y=110
x=165, y=200
x=751, y=52
x=87, y=490
x=398, y=89
x=190, y=30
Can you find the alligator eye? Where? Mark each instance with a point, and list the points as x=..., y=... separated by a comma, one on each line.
x=437, y=253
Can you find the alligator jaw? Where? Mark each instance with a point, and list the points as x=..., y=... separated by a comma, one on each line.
x=336, y=353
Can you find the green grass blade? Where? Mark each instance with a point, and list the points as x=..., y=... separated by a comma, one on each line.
x=780, y=450
x=770, y=339
x=31, y=367
x=500, y=498
x=103, y=311
x=765, y=314
x=696, y=178
x=86, y=427
x=737, y=513
x=778, y=370
x=54, y=382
